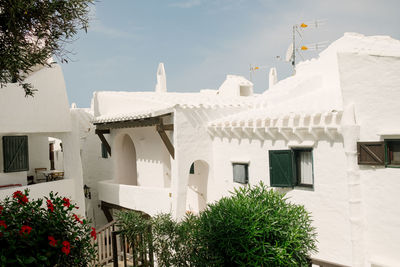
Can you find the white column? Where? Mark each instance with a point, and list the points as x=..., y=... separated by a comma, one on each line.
x=73, y=163
x=351, y=134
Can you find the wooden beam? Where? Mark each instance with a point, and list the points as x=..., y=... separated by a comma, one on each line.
x=164, y=137
x=165, y=127
x=101, y=133
x=106, y=208
x=129, y=124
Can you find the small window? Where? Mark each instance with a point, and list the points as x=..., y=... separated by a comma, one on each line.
x=289, y=168
x=393, y=152
x=304, y=167
x=104, y=153
x=192, y=168
x=240, y=173
x=15, y=153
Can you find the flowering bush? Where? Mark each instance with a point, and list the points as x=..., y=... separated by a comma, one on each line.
x=33, y=234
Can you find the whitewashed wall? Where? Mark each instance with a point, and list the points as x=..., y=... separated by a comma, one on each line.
x=152, y=157
x=372, y=83
x=47, y=111
x=327, y=202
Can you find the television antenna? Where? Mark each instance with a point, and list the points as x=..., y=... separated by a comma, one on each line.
x=253, y=69
x=296, y=30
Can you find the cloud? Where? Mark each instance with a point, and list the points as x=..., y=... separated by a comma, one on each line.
x=187, y=3
x=111, y=32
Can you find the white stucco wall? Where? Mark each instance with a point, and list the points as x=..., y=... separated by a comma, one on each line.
x=65, y=188
x=47, y=111
x=372, y=84
x=152, y=157
x=151, y=200
x=95, y=169
x=327, y=201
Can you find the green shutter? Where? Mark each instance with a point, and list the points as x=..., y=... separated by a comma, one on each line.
x=281, y=171
x=15, y=153
x=104, y=154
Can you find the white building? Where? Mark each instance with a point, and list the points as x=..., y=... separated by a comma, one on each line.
x=175, y=152
x=29, y=128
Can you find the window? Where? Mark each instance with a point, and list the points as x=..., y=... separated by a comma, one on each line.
x=104, y=154
x=191, y=169
x=393, y=152
x=289, y=168
x=304, y=167
x=15, y=153
x=240, y=173
x=385, y=152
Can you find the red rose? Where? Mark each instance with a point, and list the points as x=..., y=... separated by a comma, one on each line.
x=52, y=241
x=66, y=202
x=25, y=230
x=1, y=209
x=93, y=233
x=50, y=205
x=66, y=247
x=22, y=199
x=3, y=223
x=17, y=194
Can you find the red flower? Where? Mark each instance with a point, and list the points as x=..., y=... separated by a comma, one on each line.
x=52, y=241
x=25, y=230
x=93, y=233
x=22, y=199
x=17, y=194
x=66, y=202
x=50, y=205
x=66, y=247
x=3, y=223
x=1, y=209
x=77, y=218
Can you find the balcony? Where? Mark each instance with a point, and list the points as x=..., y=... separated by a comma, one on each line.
x=151, y=200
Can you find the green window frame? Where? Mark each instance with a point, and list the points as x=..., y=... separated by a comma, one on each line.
x=15, y=153
x=285, y=168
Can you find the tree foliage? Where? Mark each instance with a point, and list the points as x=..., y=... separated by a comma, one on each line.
x=31, y=31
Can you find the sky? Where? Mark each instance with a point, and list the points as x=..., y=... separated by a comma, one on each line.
x=201, y=41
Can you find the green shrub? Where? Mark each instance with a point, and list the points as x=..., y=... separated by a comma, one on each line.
x=256, y=226
x=36, y=234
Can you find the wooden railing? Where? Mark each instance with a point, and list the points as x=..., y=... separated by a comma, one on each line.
x=104, y=244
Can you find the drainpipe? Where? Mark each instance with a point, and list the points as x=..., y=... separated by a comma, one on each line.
x=351, y=134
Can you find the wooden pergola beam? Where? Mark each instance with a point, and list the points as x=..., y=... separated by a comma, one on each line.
x=161, y=128
x=128, y=124
x=101, y=133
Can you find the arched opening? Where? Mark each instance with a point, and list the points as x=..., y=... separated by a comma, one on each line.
x=126, y=171
x=196, y=197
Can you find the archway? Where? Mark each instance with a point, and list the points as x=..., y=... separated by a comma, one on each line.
x=126, y=170
x=196, y=197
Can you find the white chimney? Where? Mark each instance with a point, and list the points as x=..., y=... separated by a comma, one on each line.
x=273, y=77
x=161, y=86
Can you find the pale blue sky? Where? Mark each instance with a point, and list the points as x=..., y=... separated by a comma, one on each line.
x=200, y=41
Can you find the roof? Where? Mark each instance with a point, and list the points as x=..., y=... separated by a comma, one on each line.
x=122, y=106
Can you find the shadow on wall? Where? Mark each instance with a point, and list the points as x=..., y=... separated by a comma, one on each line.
x=125, y=155
x=196, y=198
